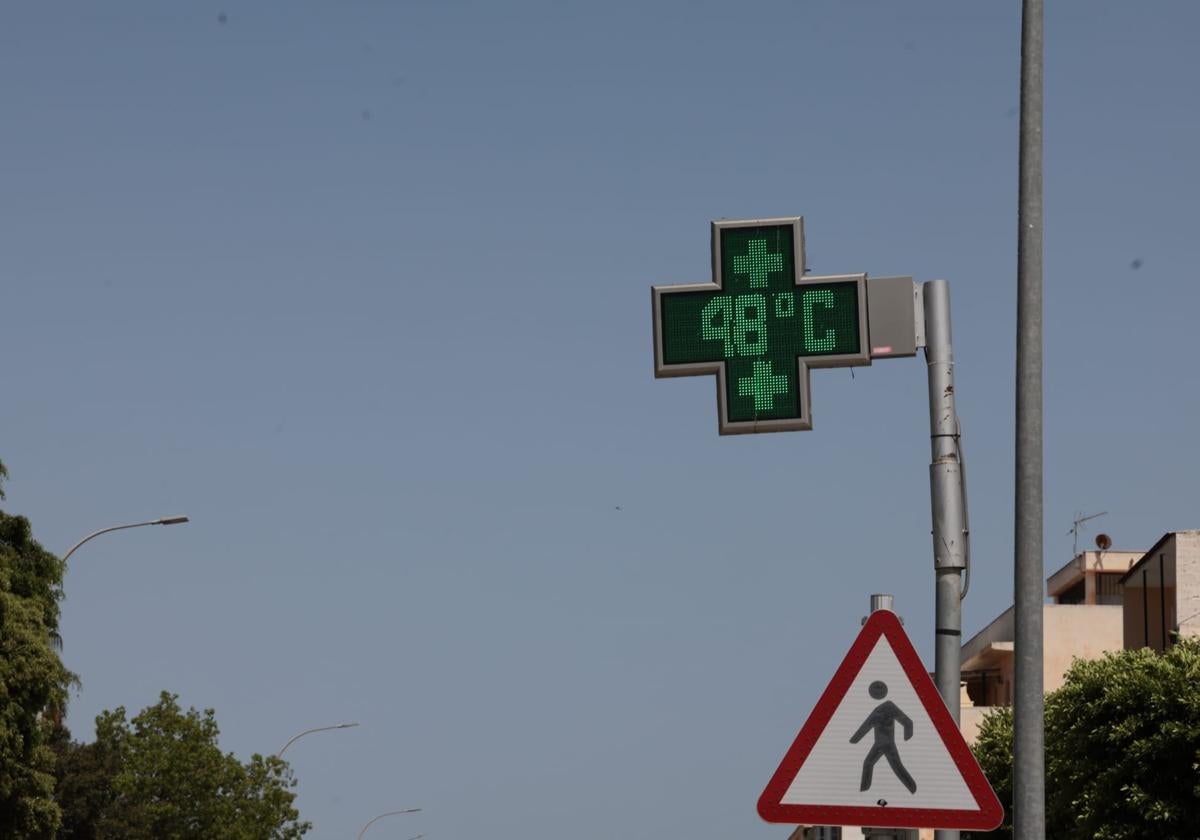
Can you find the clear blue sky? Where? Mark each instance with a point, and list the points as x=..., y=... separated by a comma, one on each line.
x=363, y=288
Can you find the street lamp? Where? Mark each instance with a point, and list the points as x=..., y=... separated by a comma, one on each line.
x=300, y=735
x=166, y=520
x=388, y=814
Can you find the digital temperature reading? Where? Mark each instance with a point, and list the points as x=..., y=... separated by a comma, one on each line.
x=760, y=325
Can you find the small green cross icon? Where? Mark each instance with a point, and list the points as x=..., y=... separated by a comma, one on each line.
x=763, y=385
x=758, y=263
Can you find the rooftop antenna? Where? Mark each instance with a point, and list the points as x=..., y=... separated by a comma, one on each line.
x=1080, y=518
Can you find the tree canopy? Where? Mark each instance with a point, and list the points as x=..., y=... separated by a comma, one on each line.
x=161, y=776
x=33, y=680
x=1122, y=748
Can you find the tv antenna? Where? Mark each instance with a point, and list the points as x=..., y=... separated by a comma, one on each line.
x=1080, y=518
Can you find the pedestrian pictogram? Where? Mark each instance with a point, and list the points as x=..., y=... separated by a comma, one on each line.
x=880, y=748
x=883, y=722
x=760, y=325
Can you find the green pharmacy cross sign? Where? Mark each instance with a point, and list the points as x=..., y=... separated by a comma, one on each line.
x=760, y=325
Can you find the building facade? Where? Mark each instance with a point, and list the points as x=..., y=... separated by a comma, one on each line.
x=1162, y=593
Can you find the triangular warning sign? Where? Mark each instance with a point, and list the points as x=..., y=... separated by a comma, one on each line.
x=880, y=748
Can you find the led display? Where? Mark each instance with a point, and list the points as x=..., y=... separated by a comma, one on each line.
x=761, y=323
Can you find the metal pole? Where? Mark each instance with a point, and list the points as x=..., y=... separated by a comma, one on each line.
x=879, y=602
x=300, y=735
x=387, y=814
x=947, y=502
x=166, y=520
x=1029, y=775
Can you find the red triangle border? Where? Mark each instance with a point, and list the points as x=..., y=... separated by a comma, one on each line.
x=990, y=813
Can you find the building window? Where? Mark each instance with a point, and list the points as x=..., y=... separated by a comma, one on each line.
x=1074, y=595
x=1108, y=589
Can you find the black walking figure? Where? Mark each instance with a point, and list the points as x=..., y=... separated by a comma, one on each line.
x=883, y=721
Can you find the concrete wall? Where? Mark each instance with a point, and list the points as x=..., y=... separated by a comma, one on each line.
x=970, y=719
x=1187, y=582
x=1072, y=631
x=1149, y=617
x=1086, y=631
x=1077, y=630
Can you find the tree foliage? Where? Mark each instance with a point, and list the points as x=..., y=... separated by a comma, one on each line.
x=993, y=748
x=161, y=776
x=1122, y=748
x=33, y=680
x=84, y=774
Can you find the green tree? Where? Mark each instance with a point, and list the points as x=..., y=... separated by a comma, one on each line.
x=1122, y=748
x=33, y=681
x=83, y=788
x=993, y=749
x=162, y=776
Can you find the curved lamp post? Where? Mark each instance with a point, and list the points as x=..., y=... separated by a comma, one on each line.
x=166, y=520
x=300, y=735
x=388, y=814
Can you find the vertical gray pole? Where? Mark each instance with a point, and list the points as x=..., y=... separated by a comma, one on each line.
x=947, y=497
x=1029, y=776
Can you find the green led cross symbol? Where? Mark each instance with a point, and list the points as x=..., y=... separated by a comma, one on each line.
x=760, y=325
x=762, y=385
x=757, y=263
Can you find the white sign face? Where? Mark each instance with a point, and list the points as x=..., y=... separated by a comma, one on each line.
x=836, y=769
x=880, y=748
